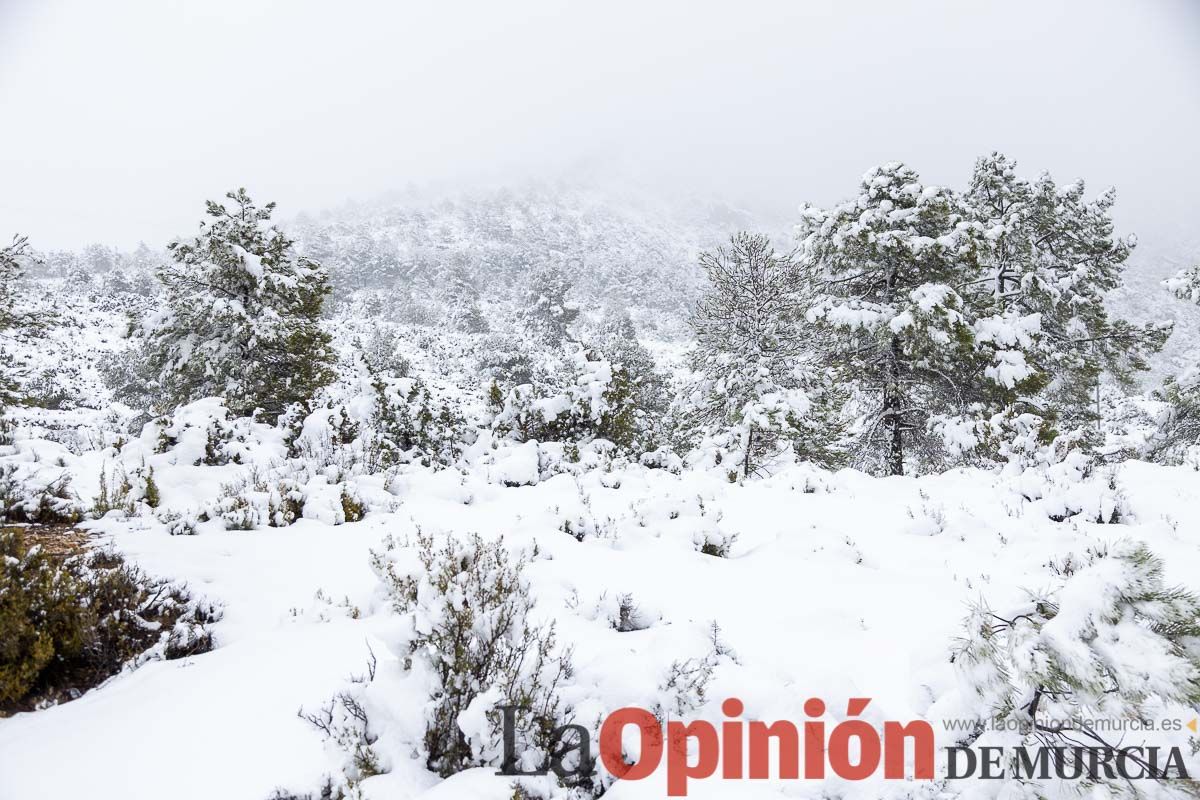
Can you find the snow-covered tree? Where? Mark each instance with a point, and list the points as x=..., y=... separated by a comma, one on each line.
x=636, y=374
x=884, y=265
x=241, y=317
x=461, y=295
x=1045, y=258
x=1180, y=430
x=752, y=351
x=547, y=313
x=1186, y=285
x=15, y=320
x=1112, y=642
x=575, y=396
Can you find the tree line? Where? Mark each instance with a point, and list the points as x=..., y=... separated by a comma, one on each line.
x=911, y=327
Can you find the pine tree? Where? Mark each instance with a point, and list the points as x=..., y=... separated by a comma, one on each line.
x=883, y=265
x=1181, y=428
x=462, y=296
x=1045, y=259
x=548, y=314
x=751, y=351
x=15, y=321
x=242, y=315
x=639, y=388
x=1112, y=642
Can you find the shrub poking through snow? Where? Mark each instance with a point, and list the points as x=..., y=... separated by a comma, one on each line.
x=353, y=509
x=179, y=523
x=629, y=616
x=714, y=543
x=468, y=606
x=343, y=721
x=30, y=496
x=576, y=396
x=410, y=424
x=254, y=500
x=685, y=686
x=1113, y=642
x=69, y=623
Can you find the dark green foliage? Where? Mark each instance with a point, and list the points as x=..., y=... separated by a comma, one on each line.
x=151, y=495
x=353, y=509
x=411, y=425
x=495, y=397
x=69, y=622
x=243, y=315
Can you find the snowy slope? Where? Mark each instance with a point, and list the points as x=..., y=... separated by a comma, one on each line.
x=837, y=585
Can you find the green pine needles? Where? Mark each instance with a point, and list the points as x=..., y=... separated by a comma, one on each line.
x=242, y=315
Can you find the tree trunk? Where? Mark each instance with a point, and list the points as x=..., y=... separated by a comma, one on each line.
x=892, y=410
x=746, y=458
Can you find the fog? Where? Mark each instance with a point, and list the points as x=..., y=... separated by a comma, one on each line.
x=118, y=119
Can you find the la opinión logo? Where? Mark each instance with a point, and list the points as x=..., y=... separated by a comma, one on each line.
x=742, y=749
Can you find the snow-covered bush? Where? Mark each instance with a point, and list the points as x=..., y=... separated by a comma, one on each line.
x=380, y=349
x=69, y=622
x=409, y=424
x=467, y=605
x=274, y=498
x=179, y=523
x=129, y=491
x=196, y=433
x=28, y=494
x=344, y=723
x=576, y=398
x=1112, y=642
x=1075, y=486
x=684, y=687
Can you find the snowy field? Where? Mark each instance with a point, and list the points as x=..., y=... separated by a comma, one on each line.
x=562, y=401
x=833, y=585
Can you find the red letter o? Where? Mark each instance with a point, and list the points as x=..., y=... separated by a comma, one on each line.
x=611, y=752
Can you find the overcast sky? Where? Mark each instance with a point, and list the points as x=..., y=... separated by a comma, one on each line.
x=118, y=118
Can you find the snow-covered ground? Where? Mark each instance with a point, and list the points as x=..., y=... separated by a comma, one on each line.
x=835, y=585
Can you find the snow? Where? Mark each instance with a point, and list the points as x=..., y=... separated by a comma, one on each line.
x=878, y=576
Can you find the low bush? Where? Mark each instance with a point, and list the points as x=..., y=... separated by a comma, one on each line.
x=69, y=622
x=36, y=499
x=468, y=604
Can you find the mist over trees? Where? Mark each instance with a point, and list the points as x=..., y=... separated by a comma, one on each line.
x=908, y=329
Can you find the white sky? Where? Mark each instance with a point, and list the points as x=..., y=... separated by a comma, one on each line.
x=118, y=118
